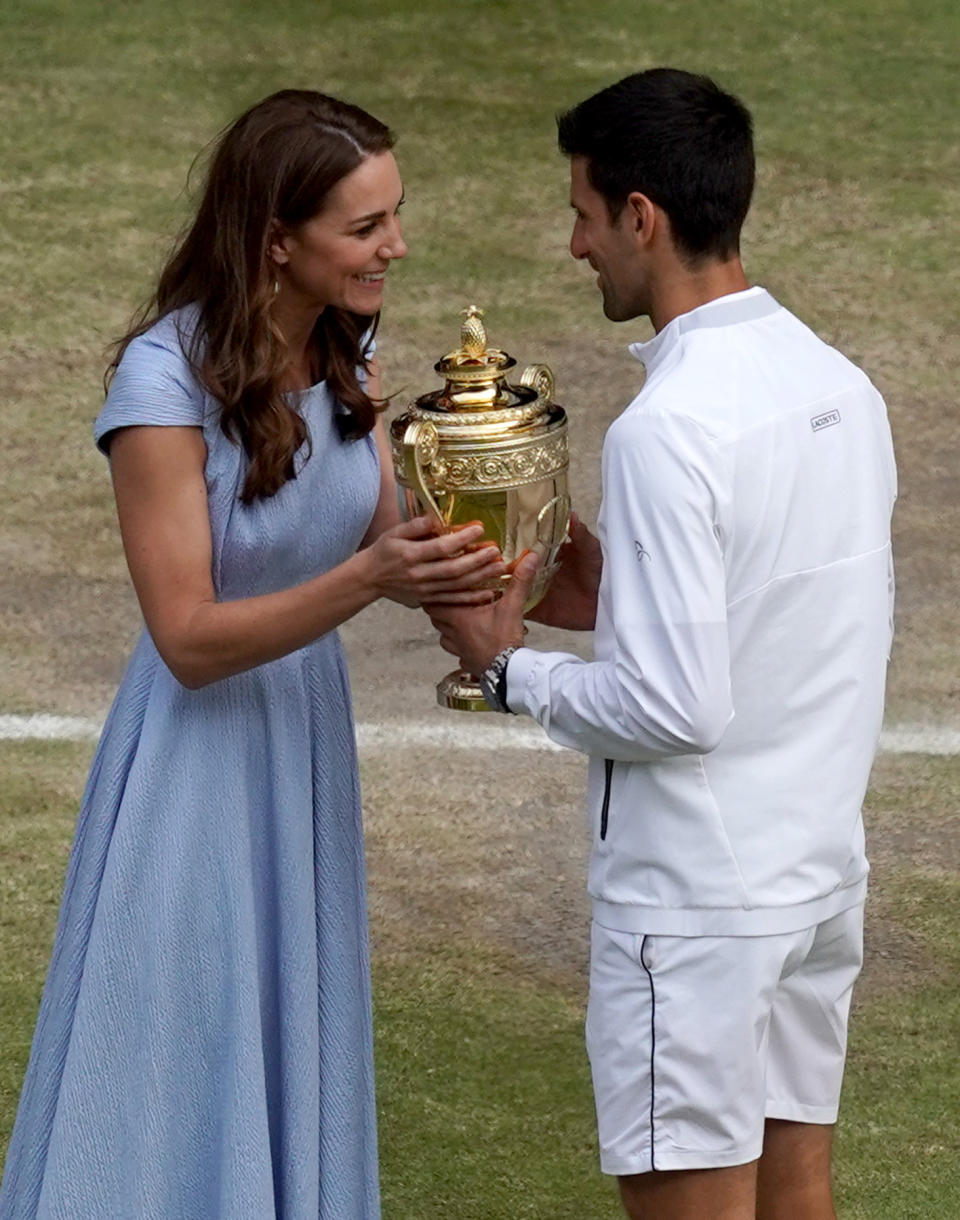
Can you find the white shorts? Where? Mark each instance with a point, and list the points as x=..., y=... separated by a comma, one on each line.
x=695, y=1041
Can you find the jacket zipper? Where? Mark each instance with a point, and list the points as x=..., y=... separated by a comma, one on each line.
x=605, y=808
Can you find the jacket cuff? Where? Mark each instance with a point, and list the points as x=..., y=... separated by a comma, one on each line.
x=520, y=670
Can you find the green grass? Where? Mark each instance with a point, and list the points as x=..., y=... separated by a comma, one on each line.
x=105, y=107
x=485, y=1103
x=39, y=790
x=898, y=1145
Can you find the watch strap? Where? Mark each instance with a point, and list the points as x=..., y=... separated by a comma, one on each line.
x=493, y=680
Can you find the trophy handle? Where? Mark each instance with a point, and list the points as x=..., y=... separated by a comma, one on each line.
x=553, y=525
x=420, y=445
x=539, y=377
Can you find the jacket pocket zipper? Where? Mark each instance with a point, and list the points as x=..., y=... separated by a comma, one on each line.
x=605, y=808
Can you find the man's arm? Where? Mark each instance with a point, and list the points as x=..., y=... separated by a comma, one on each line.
x=662, y=686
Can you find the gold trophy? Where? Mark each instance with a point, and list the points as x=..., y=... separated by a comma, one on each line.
x=483, y=450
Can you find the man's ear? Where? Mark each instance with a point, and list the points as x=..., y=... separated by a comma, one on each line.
x=641, y=215
x=278, y=244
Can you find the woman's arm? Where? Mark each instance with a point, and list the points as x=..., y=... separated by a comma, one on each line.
x=158, y=476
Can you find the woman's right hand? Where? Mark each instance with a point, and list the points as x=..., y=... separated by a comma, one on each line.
x=412, y=564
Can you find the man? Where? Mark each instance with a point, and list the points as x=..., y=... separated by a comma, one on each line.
x=741, y=593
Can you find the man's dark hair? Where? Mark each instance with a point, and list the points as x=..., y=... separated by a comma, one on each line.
x=678, y=139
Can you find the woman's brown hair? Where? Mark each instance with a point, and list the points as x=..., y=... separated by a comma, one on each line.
x=277, y=162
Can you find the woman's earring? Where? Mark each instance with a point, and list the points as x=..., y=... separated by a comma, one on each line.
x=276, y=286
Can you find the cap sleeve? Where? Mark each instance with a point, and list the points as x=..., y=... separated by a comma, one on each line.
x=153, y=385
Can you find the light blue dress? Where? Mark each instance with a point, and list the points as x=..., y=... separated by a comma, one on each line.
x=203, y=1049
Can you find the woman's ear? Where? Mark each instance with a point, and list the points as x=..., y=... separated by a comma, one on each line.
x=278, y=244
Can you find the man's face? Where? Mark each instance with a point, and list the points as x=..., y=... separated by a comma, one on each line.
x=609, y=247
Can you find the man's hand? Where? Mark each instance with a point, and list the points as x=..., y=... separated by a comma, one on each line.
x=477, y=634
x=571, y=599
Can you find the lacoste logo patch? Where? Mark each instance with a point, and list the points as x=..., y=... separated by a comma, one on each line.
x=826, y=420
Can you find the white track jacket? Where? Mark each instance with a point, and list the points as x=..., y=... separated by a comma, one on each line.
x=734, y=705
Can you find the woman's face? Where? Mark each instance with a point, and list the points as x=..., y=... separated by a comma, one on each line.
x=341, y=256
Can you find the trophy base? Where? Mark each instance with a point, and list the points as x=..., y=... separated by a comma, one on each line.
x=461, y=691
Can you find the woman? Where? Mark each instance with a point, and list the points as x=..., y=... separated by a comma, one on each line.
x=203, y=1048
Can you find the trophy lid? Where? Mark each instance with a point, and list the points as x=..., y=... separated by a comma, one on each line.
x=474, y=373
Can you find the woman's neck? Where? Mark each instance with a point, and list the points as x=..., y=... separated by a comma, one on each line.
x=297, y=326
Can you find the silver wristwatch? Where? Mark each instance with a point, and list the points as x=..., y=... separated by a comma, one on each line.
x=493, y=681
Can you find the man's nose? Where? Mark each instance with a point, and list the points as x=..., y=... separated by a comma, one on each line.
x=578, y=247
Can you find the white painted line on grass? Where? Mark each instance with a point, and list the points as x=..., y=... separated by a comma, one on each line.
x=400, y=734
x=41, y=727
x=462, y=733
x=386, y=735
x=920, y=739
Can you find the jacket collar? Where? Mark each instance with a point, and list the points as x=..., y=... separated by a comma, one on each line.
x=735, y=307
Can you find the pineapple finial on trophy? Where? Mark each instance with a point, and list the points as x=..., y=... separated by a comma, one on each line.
x=473, y=337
